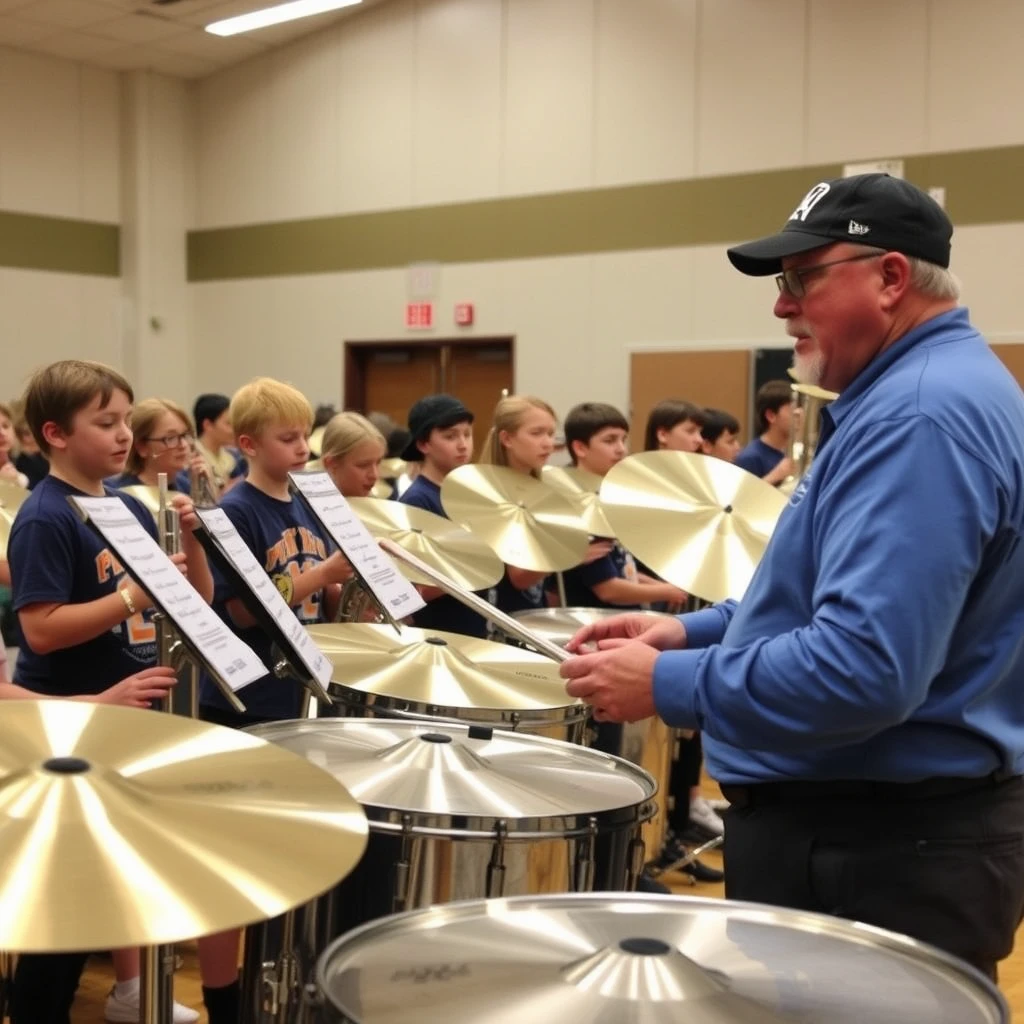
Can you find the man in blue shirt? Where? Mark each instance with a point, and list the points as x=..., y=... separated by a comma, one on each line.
x=863, y=707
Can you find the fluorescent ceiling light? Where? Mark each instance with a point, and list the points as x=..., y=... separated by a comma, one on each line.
x=276, y=15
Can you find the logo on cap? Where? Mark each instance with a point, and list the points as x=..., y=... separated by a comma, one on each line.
x=810, y=201
x=857, y=229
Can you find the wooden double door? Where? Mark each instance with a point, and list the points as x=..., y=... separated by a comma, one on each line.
x=389, y=376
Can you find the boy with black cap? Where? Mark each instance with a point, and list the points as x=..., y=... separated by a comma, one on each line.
x=442, y=439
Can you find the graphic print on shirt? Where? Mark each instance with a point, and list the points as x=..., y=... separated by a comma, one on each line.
x=297, y=551
x=138, y=630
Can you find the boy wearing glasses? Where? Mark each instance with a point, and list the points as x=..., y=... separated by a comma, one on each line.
x=765, y=456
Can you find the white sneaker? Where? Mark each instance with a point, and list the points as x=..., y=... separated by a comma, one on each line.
x=704, y=817
x=126, y=1010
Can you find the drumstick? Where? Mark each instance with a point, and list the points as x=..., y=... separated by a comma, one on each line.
x=508, y=625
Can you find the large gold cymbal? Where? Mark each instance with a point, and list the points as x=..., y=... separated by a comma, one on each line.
x=526, y=522
x=698, y=522
x=438, y=541
x=447, y=670
x=149, y=496
x=581, y=488
x=392, y=469
x=12, y=497
x=121, y=827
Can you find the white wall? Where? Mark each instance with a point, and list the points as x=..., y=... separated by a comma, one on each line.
x=438, y=101
x=59, y=134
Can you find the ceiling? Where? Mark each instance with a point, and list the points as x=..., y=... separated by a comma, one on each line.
x=131, y=35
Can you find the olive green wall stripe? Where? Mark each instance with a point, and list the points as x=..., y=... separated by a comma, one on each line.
x=982, y=188
x=31, y=242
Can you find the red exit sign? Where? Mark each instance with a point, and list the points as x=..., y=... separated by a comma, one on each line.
x=419, y=316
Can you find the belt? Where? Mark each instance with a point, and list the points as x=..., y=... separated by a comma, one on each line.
x=764, y=793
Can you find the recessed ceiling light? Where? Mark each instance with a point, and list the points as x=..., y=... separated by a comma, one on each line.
x=276, y=15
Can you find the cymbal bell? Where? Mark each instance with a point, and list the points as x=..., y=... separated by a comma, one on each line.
x=122, y=827
x=524, y=521
x=12, y=497
x=446, y=670
x=698, y=522
x=581, y=488
x=442, y=544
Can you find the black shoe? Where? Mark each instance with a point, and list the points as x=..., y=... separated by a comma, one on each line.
x=702, y=873
x=695, y=834
x=672, y=851
x=647, y=884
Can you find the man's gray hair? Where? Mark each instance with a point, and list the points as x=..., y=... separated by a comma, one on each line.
x=932, y=280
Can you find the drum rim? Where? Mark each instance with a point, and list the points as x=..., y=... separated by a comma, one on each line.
x=388, y=818
x=921, y=953
x=557, y=714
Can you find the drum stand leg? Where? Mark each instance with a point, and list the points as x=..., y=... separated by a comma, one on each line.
x=711, y=844
x=156, y=985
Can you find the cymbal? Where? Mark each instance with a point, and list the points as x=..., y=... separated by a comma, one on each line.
x=149, y=496
x=392, y=469
x=441, y=669
x=581, y=488
x=813, y=391
x=527, y=523
x=12, y=497
x=698, y=522
x=381, y=490
x=438, y=541
x=560, y=625
x=122, y=827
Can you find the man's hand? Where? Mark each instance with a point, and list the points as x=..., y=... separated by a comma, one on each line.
x=616, y=681
x=141, y=689
x=662, y=634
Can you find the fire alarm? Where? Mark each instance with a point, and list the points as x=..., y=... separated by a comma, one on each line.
x=464, y=314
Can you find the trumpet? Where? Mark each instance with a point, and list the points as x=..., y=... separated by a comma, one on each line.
x=808, y=401
x=169, y=647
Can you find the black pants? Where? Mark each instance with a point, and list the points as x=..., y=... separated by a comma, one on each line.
x=685, y=775
x=44, y=987
x=945, y=867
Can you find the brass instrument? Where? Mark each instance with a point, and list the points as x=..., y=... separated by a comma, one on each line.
x=808, y=401
x=169, y=647
x=201, y=487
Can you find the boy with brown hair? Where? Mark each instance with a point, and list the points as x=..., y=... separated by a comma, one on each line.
x=765, y=456
x=85, y=625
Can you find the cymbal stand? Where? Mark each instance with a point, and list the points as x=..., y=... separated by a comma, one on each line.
x=560, y=583
x=156, y=985
x=691, y=856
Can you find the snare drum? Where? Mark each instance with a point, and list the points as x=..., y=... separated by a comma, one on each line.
x=649, y=743
x=445, y=677
x=455, y=813
x=633, y=959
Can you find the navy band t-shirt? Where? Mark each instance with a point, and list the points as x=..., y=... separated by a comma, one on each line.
x=759, y=458
x=444, y=613
x=287, y=540
x=580, y=581
x=57, y=559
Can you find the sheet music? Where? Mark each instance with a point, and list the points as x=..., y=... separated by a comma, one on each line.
x=394, y=592
x=229, y=541
x=234, y=661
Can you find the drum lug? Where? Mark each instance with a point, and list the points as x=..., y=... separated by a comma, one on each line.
x=279, y=981
x=496, y=867
x=516, y=719
x=584, y=874
x=400, y=899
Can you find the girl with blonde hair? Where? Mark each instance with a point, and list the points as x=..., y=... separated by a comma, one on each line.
x=162, y=443
x=521, y=439
x=351, y=452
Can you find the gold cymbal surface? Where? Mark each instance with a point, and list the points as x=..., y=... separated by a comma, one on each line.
x=439, y=542
x=698, y=522
x=12, y=497
x=439, y=668
x=525, y=522
x=581, y=488
x=149, y=496
x=122, y=827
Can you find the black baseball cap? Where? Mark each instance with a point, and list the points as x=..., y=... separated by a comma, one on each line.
x=870, y=209
x=435, y=412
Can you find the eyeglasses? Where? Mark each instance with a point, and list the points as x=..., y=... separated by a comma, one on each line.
x=171, y=440
x=791, y=282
